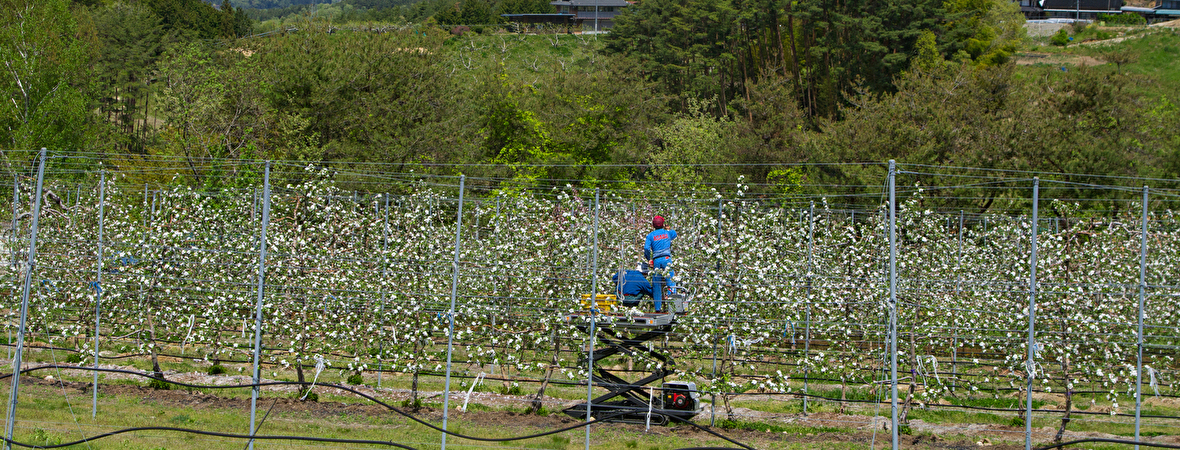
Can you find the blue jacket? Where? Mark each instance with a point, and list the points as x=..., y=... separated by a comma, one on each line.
x=634, y=283
x=658, y=244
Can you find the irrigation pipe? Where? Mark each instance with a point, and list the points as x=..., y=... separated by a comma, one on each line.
x=1112, y=441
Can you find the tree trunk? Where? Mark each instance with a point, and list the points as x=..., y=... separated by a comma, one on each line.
x=1068, y=400
x=538, y=402
x=156, y=372
x=414, y=405
x=843, y=396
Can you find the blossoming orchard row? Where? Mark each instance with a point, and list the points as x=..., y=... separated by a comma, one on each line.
x=787, y=294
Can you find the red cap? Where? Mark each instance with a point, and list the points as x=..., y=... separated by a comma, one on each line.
x=657, y=221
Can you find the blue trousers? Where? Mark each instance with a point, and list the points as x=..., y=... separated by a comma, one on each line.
x=659, y=280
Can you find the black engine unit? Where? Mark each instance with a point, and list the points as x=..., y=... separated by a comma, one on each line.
x=681, y=396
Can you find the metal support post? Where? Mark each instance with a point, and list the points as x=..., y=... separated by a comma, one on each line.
x=1139, y=334
x=102, y=191
x=893, y=296
x=717, y=278
x=258, y=306
x=593, y=320
x=807, y=324
x=1032, y=310
x=384, y=273
x=451, y=311
x=958, y=292
x=24, y=304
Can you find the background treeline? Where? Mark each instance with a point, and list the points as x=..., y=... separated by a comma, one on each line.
x=676, y=87
x=272, y=13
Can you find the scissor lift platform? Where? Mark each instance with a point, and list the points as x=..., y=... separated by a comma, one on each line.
x=630, y=401
x=619, y=320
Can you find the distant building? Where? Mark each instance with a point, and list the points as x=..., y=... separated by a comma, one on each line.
x=586, y=11
x=1162, y=10
x=1032, y=9
x=1072, y=9
x=564, y=21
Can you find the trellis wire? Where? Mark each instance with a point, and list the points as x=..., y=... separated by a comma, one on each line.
x=751, y=289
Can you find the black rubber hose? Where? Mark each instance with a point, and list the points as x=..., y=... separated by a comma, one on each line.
x=362, y=395
x=1112, y=441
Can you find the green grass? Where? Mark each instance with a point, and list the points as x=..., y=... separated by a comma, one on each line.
x=50, y=408
x=992, y=402
x=1155, y=57
x=750, y=425
x=44, y=416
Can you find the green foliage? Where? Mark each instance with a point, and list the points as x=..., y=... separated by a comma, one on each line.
x=159, y=384
x=215, y=369
x=467, y=12
x=703, y=49
x=1122, y=19
x=216, y=111
x=74, y=358
x=987, y=31
x=680, y=85
x=928, y=57
x=750, y=425
x=786, y=181
x=688, y=145
x=1091, y=33
x=129, y=39
x=377, y=107
x=42, y=59
x=42, y=438
x=273, y=4
x=199, y=18
x=1060, y=38
x=304, y=395
x=356, y=379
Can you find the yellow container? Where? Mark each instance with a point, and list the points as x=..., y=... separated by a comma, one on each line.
x=605, y=302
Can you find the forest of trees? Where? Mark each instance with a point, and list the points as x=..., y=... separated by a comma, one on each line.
x=676, y=82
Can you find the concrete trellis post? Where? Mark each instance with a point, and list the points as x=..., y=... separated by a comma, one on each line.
x=1139, y=334
x=102, y=190
x=1032, y=310
x=24, y=305
x=807, y=324
x=451, y=311
x=893, y=297
x=258, y=306
x=384, y=273
x=713, y=402
x=593, y=320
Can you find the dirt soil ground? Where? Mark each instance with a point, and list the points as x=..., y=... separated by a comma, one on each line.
x=529, y=422
x=1032, y=58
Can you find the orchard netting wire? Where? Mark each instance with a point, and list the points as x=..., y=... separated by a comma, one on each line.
x=790, y=292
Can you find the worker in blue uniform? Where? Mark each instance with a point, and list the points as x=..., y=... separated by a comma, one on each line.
x=657, y=248
x=634, y=285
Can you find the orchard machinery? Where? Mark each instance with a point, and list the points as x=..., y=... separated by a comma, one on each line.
x=620, y=331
